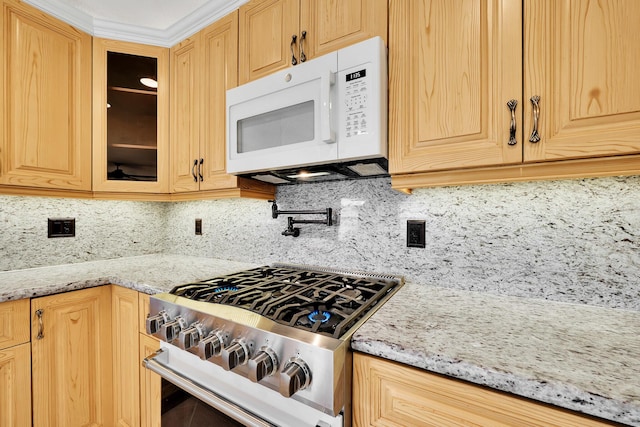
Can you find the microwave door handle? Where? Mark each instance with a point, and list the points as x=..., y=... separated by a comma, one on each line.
x=326, y=131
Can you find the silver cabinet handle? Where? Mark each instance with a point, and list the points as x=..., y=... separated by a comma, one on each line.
x=218, y=402
x=303, y=57
x=294, y=61
x=39, y=313
x=512, y=104
x=535, y=136
x=193, y=170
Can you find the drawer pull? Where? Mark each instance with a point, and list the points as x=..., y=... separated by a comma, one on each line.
x=193, y=170
x=303, y=57
x=294, y=61
x=39, y=313
x=535, y=136
x=512, y=104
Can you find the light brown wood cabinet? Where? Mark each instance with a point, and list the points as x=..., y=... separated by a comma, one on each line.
x=150, y=386
x=71, y=346
x=129, y=146
x=126, y=359
x=203, y=67
x=390, y=394
x=45, y=112
x=455, y=65
x=267, y=29
x=15, y=364
x=150, y=382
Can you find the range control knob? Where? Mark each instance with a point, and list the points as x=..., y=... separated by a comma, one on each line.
x=295, y=376
x=170, y=330
x=156, y=321
x=211, y=345
x=263, y=364
x=235, y=355
x=190, y=337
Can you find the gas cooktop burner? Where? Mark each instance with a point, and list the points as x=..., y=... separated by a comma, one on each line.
x=318, y=300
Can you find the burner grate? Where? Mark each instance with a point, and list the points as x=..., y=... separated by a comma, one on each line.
x=318, y=300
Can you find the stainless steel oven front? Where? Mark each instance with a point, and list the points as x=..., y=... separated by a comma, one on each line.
x=198, y=394
x=267, y=346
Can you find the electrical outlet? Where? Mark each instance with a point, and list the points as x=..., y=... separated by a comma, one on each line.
x=416, y=233
x=198, y=227
x=61, y=227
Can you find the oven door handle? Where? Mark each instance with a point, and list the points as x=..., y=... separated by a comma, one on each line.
x=209, y=397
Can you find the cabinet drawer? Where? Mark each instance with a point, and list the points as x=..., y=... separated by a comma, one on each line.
x=14, y=323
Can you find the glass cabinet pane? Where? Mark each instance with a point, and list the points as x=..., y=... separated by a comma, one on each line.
x=132, y=112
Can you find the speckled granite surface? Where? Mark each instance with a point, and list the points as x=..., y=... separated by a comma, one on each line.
x=148, y=273
x=574, y=356
x=574, y=241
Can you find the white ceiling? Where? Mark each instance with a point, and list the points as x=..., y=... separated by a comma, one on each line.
x=156, y=22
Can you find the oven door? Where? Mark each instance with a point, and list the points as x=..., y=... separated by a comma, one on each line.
x=283, y=120
x=213, y=394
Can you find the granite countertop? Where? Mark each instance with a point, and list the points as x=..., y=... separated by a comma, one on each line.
x=575, y=356
x=148, y=273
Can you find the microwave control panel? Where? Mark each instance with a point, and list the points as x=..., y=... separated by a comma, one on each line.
x=355, y=100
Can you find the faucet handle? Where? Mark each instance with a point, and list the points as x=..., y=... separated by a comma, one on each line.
x=274, y=209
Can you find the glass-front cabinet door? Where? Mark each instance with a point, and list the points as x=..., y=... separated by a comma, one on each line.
x=130, y=117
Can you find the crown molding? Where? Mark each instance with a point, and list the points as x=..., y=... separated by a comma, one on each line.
x=66, y=13
x=190, y=24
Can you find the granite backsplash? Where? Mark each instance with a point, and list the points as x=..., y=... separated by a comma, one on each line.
x=574, y=241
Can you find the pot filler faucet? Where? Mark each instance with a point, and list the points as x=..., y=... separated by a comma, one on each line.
x=294, y=231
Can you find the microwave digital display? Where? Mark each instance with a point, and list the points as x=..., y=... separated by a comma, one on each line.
x=356, y=75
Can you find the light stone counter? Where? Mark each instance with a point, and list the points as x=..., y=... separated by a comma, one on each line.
x=148, y=273
x=575, y=356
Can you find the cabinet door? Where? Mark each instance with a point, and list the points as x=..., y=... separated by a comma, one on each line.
x=453, y=66
x=186, y=87
x=582, y=59
x=220, y=72
x=390, y=394
x=333, y=24
x=14, y=323
x=130, y=121
x=266, y=28
x=150, y=386
x=45, y=115
x=15, y=383
x=71, y=360
x=126, y=361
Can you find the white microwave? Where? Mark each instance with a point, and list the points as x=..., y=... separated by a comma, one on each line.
x=323, y=119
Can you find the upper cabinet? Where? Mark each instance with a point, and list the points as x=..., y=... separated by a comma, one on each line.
x=130, y=117
x=203, y=67
x=464, y=76
x=276, y=34
x=45, y=112
x=581, y=59
x=453, y=66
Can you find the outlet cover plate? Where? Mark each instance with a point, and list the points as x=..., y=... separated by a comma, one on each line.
x=416, y=233
x=61, y=227
x=198, y=227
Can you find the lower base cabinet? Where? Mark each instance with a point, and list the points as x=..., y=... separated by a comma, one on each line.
x=15, y=390
x=126, y=359
x=150, y=386
x=71, y=350
x=391, y=394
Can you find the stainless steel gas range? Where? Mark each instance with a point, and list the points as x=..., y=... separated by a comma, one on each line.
x=267, y=346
